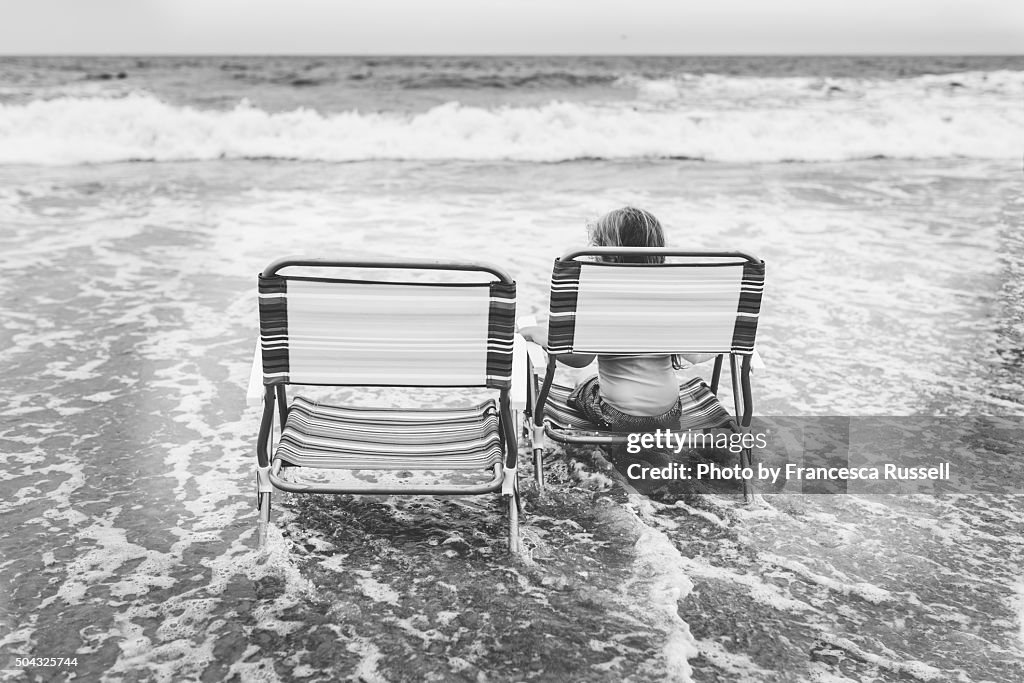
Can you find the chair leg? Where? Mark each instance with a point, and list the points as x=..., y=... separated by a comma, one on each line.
x=263, y=508
x=747, y=460
x=263, y=493
x=512, y=504
x=537, y=441
x=538, y=468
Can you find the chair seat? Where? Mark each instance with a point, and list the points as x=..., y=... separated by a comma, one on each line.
x=338, y=437
x=701, y=409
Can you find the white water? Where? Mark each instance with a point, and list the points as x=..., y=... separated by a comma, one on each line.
x=713, y=118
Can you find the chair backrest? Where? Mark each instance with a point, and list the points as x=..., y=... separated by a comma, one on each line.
x=707, y=304
x=335, y=331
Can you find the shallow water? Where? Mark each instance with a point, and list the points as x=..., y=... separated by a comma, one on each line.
x=894, y=288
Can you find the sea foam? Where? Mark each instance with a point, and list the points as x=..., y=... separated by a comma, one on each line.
x=141, y=127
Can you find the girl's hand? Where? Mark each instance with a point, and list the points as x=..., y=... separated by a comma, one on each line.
x=538, y=334
x=533, y=329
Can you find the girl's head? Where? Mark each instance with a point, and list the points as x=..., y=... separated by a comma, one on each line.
x=628, y=227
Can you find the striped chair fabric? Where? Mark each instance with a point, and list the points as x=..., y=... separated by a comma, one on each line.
x=343, y=332
x=333, y=437
x=701, y=409
x=628, y=309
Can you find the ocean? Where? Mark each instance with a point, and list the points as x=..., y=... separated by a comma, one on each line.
x=140, y=196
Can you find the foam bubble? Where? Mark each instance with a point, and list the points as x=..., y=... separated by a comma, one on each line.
x=370, y=655
x=871, y=593
x=1018, y=605
x=375, y=590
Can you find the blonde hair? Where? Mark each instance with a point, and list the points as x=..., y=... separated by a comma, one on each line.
x=628, y=227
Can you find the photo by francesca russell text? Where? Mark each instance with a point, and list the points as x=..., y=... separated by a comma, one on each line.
x=772, y=472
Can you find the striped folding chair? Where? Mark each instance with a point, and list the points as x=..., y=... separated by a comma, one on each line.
x=708, y=302
x=334, y=331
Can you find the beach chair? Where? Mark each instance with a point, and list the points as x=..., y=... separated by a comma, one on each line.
x=336, y=331
x=704, y=302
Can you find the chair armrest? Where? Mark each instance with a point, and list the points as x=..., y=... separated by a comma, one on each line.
x=755, y=361
x=538, y=356
x=254, y=393
x=517, y=394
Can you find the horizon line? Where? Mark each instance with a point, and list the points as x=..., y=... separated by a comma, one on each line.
x=512, y=54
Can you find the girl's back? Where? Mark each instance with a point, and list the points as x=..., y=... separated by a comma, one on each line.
x=638, y=385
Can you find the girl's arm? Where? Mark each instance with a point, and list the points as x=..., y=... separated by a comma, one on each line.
x=576, y=360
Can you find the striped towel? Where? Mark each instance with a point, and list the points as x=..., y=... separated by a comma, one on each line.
x=701, y=409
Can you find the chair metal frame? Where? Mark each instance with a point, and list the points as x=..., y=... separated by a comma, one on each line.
x=275, y=400
x=740, y=367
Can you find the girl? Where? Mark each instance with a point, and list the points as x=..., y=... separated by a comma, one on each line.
x=629, y=393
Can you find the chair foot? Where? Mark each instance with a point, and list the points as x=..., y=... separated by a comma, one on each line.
x=747, y=460
x=263, y=510
x=513, y=523
x=261, y=534
x=538, y=468
x=748, y=493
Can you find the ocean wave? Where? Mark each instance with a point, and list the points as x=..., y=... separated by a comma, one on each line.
x=140, y=127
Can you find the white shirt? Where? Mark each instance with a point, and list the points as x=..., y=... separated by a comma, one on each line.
x=638, y=385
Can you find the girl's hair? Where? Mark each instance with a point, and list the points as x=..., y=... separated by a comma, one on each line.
x=628, y=227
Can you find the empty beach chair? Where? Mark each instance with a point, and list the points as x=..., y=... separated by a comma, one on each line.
x=342, y=331
x=702, y=302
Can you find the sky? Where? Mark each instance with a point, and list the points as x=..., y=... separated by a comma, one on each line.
x=511, y=26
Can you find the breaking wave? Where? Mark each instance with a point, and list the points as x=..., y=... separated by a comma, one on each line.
x=140, y=127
